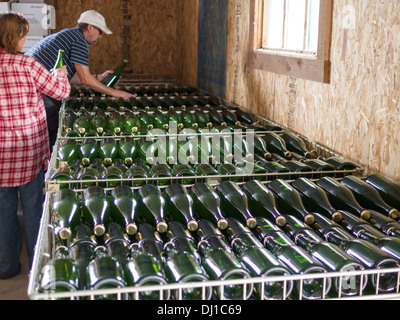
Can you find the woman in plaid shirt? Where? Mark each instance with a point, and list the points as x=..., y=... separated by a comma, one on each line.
x=24, y=146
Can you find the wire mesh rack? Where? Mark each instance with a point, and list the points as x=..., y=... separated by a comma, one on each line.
x=325, y=285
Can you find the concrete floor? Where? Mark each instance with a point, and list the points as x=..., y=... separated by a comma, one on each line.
x=16, y=287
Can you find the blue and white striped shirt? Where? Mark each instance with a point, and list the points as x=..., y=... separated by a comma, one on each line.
x=72, y=41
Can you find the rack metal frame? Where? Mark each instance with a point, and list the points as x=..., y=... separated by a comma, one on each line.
x=45, y=246
x=44, y=251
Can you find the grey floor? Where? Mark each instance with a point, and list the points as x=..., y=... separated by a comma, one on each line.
x=16, y=287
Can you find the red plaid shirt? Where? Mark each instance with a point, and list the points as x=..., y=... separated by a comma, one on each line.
x=24, y=140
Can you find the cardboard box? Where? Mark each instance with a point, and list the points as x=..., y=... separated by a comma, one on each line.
x=4, y=7
x=30, y=42
x=38, y=16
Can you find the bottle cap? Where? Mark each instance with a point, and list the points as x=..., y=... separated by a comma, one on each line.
x=394, y=213
x=100, y=130
x=81, y=130
x=251, y=223
x=222, y=224
x=309, y=219
x=99, y=230
x=108, y=161
x=288, y=155
x=365, y=215
x=337, y=216
x=162, y=227
x=85, y=161
x=65, y=233
x=192, y=225
x=280, y=221
x=117, y=130
x=131, y=229
x=135, y=129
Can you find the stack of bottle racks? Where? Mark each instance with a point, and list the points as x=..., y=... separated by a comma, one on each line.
x=178, y=194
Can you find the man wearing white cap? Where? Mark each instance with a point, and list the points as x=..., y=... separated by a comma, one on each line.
x=75, y=43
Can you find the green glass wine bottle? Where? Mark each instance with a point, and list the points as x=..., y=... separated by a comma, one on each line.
x=368, y=254
x=152, y=207
x=88, y=151
x=234, y=203
x=229, y=117
x=89, y=175
x=182, y=264
x=64, y=173
x=315, y=199
x=341, y=197
x=215, y=117
x=68, y=151
x=259, y=262
x=144, y=269
x=104, y=272
x=158, y=172
x=220, y=263
x=361, y=229
x=160, y=120
x=66, y=213
x=67, y=122
x=244, y=116
x=115, y=123
x=113, y=175
x=342, y=164
x=288, y=200
x=81, y=125
x=113, y=78
x=260, y=147
x=207, y=204
x=60, y=60
x=179, y=205
x=128, y=150
x=262, y=202
x=388, y=188
x=60, y=274
x=117, y=243
x=183, y=170
x=296, y=259
x=124, y=208
x=296, y=144
x=207, y=171
x=95, y=209
x=298, y=168
x=98, y=123
x=108, y=150
x=81, y=250
x=235, y=173
x=320, y=168
x=329, y=255
x=131, y=123
x=368, y=197
x=276, y=144
x=137, y=175
x=145, y=120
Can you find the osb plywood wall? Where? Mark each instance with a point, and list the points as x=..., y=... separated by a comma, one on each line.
x=156, y=36
x=357, y=114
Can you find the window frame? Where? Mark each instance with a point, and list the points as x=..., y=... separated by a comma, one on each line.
x=294, y=65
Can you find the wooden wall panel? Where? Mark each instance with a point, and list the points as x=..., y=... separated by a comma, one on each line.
x=357, y=114
x=157, y=37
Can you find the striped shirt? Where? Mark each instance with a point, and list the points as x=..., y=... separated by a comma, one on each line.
x=72, y=41
x=24, y=140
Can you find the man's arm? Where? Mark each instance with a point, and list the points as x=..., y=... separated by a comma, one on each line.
x=86, y=78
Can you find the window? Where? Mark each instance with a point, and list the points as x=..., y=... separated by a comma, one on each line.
x=291, y=37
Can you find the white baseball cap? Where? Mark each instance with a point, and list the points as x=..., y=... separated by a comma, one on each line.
x=95, y=19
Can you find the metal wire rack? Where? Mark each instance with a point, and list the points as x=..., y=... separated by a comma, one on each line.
x=253, y=288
